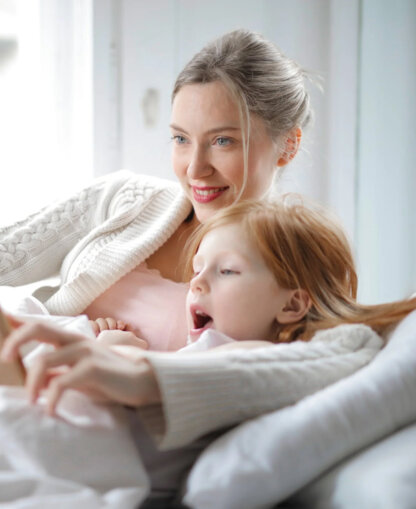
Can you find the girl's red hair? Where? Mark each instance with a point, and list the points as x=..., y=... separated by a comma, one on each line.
x=305, y=248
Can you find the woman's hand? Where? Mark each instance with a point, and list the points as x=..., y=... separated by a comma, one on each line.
x=81, y=364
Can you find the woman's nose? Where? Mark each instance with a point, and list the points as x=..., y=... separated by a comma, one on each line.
x=199, y=165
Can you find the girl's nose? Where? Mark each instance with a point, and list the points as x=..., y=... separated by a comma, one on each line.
x=199, y=165
x=199, y=284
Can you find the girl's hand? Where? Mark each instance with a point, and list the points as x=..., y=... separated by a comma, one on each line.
x=104, y=324
x=116, y=337
x=81, y=364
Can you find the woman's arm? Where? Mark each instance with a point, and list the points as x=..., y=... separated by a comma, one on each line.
x=205, y=391
x=182, y=397
x=85, y=365
x=33, y=249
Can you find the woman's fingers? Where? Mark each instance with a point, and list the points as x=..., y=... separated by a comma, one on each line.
x=111, y=378
x=13, y=321
x=79, y=377
x=37, y=331
x=39, y=374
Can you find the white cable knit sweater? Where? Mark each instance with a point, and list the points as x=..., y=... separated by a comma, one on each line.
x=205, y=391
x=93, y=238
x=103, y=232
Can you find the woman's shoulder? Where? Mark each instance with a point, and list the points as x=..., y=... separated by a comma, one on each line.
x=131, y=191
x=129, y=178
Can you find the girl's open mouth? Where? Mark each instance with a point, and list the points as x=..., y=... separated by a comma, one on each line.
x=201, y=322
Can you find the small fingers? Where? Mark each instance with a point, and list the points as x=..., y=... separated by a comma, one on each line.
x=121, y=325
x=108, y=323
x=102, y=324
x=95, y=327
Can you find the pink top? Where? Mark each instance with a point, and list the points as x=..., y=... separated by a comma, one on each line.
x=152, y=305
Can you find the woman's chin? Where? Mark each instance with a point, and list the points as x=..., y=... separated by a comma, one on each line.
x=204, y=211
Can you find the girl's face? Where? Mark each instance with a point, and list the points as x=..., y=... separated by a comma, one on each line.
x=207, y=152
x=233, y=291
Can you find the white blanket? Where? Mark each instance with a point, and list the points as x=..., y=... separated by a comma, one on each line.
x=85, y=459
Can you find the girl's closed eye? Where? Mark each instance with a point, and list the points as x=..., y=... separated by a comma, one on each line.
x=229, y=272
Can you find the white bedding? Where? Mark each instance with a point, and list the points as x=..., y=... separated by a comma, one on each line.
x=256, y=465
x=87, y=459
x=264, y=461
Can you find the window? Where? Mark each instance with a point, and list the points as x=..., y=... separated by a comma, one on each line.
x=46, y=102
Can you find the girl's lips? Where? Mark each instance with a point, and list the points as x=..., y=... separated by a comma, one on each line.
x=201, y=321
x=194, y=333
x=207, y=194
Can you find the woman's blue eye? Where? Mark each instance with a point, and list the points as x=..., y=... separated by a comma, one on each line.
x=223, y=141
x=180, y=140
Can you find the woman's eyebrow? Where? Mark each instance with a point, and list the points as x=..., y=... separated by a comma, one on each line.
x=210, y=131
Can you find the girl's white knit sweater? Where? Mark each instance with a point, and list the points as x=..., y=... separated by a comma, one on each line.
x=97, y=236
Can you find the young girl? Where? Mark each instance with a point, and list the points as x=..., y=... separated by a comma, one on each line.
x=273, y=272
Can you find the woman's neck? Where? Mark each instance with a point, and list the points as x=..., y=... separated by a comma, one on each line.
x=169, y=259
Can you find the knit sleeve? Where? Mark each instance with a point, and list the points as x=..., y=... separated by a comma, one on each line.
x=205, y=391
x=34, y=248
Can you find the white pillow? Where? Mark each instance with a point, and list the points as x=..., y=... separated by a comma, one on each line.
x=382, y=476
x=265, y=460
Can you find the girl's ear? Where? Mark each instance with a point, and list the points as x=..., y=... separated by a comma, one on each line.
x=291, y=147
x=296, y=307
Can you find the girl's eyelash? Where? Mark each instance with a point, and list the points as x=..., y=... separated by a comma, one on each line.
x=228, y=272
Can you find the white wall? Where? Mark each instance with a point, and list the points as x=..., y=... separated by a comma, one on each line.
x=386, y=176
x=357, y=158
x=95, y=97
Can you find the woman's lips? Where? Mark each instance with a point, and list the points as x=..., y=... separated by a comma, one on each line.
x=207, y=194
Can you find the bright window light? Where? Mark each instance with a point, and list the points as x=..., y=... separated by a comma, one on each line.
x=45, y=103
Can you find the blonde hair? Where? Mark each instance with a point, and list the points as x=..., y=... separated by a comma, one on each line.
x=306, y=249
x=259, y=77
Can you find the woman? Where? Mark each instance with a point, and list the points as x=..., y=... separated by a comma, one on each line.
x=238, y=110
x=237, y=113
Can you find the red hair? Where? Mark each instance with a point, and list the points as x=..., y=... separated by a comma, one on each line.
x=306, y=249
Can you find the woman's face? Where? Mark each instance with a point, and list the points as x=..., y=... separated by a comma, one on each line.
x=208, y=150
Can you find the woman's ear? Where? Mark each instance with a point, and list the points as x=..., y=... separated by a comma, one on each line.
x=296, y=307
x=291, y=146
